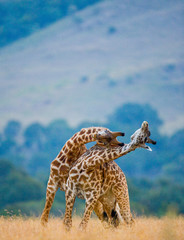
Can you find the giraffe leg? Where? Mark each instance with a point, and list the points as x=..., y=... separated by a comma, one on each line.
x=115, y=219
x=122, y=198
x=111, y=214
x=99, y=211
x=50, y=195
x=90, y=204
x=70, y=200
x=103, y=213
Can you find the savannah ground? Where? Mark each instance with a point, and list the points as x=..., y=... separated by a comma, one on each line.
x=166, y=228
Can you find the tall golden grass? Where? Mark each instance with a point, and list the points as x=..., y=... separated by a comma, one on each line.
x=166, y=228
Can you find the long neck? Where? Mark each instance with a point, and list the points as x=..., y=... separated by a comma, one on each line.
x=71, y=151
x=99, y=155
x=77, y=141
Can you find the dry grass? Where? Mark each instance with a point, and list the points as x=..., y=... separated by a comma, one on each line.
x=166, y=228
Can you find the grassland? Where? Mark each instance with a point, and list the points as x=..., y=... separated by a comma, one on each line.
x=166, y=228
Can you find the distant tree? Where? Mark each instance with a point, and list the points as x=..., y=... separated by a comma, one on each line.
x=1, y=138
x=174, y=169
x=155, y=197
x=40, y=162
x=176, y=142
x=12, y=129
x=112, y=83
x=58, y=133
x=7, y=146
x=84, y=79
x=170, y=68
x=88, y=124
x=35, y=136
x=130, y=116
x=135, y=114
x=111, y=30
x=163, y=195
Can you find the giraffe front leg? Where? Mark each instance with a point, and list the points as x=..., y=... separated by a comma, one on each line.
x=99, y=211
x=70, y=200
x=50, y=195
x=90, y=205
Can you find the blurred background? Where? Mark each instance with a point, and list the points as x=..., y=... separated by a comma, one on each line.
x=69, y=64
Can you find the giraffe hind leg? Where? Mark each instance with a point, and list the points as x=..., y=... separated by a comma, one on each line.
x=70, y=200
x=122, y=198
x=90, y=205
x=50, y=195
x=115, y=221
x=105, y=217
x=99, y=211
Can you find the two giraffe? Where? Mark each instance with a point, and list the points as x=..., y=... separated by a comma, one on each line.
x=87, y=179
x=87, y=176
x=71, y=151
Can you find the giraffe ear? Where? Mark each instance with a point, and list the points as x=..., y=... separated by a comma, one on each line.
x=117, y=134
x=149, y=140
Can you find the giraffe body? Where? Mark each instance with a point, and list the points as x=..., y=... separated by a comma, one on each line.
x=96, y=178
x=70, y=152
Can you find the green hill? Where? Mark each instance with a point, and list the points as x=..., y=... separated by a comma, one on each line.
x=17, y=186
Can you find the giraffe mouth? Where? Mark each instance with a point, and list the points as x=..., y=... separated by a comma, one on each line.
x=109, y=138
x=146, y=147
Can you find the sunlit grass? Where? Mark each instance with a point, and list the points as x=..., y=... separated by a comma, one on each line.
x=166, y=228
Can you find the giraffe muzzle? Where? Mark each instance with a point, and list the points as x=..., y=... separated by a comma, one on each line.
x=109, y=138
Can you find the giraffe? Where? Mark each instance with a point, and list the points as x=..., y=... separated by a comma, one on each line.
x=70, y=152
x=87, y=179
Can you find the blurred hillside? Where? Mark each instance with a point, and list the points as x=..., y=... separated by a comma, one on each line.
x=91, y=62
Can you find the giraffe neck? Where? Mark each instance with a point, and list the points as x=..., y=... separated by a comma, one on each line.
x=71, y=151
x=75, y=146
x=98, y=155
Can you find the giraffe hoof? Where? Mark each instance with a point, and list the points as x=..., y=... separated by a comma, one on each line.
x=67, y=228
x=44, y=222
x=67, y=225
x=82, y=228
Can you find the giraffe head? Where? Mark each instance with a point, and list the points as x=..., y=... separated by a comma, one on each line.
x=142, y=136
x=108, y=138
